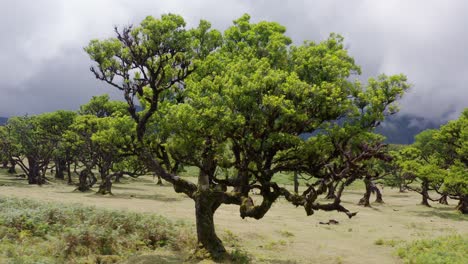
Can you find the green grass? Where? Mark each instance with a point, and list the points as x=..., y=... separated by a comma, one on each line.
x=389, y=242
x=450, y=249
x=33, y=232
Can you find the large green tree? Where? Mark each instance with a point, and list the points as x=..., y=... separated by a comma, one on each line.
x=243, y=101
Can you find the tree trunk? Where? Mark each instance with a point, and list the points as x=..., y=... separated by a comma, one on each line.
x=296, y=182
x=424, y=193
x=365, y=199
x=443, y=199
x=205, y=207
x=159, y=181
x=378, y=194
x=33, y=174
x=243, y=177
x=60, y=168
x=402, y=187
x=463, y=204
x=12, y=169
x=175, y=168
x=118, y=177
x=86, y=179
x=92, y=179
x=106, y=185
x=331, y=191
x=69, y=173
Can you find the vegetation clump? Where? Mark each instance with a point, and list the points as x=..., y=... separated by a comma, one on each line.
x=32, y=232
x=450, y=249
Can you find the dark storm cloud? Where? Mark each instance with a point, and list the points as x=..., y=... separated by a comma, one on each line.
x=43, y=66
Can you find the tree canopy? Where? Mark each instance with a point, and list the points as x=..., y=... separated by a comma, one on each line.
x=242, y=101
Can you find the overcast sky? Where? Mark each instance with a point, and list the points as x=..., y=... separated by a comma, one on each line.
x=43, y=66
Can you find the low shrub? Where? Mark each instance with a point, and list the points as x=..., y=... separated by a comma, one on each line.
x=38, y=232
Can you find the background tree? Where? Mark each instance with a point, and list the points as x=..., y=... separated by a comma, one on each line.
x=397, y=177
x=7, y=149
x=102, y=106
x=62, y=156
x=35, y=139
x=97, y=139
x=113, y=142
x=376, y=171
x=424, y=170
x=454, y=138
x=438, y=158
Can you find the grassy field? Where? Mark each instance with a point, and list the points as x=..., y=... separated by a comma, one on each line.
x=285, y=235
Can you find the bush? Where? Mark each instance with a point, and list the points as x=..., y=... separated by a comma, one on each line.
x=33, y=232
x=450, y=249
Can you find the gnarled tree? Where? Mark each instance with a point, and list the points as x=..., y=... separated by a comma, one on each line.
x=243, y=101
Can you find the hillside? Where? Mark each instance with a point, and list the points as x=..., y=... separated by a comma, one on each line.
x=401, y=129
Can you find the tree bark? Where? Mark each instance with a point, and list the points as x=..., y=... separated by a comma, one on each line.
x=86, y=180
x=205, y=207
x=424, y=193
x=160, y=183
x=378, y=194
x=443, y=199
x=365, y=199
x=118, y=177
x=106, y=185
x=402, y=188
x=463, y=204
x=60, y=168
x=331, y=191
x=69, y=173
x=12, y=169
x=296, y=182
x=34, y=171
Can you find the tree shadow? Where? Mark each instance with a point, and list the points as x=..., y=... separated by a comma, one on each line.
x=444, y=213
x=399, y=195
x=279, y=261
x=12, y=180
x=153, y=184
x=153, y=197
x=124, y=187
x=356, y=192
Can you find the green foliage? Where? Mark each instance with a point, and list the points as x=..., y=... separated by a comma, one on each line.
x=451, y=249
x=37, y=139
x=32, y=232
x=241, y=102
x=102, y=106
x=390, y=242
x=260, y=94
x=454, y=137
x=441, y=158
x=101, y=141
